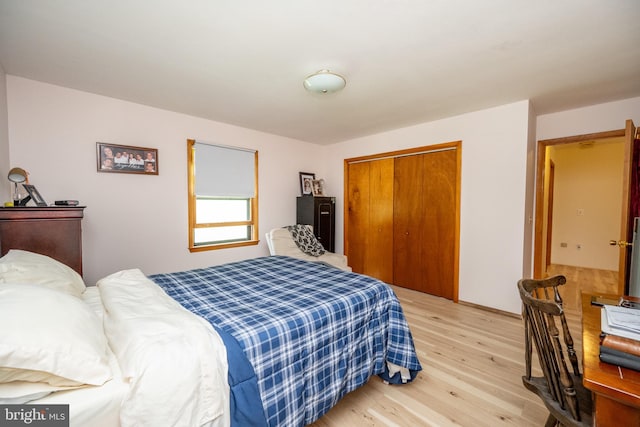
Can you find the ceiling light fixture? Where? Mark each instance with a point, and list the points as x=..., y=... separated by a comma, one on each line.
x=324, y=81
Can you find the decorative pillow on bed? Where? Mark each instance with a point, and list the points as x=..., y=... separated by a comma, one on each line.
x=19, y=266
x=306, y=240
x=50, y=337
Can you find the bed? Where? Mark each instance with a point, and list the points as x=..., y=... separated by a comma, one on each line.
x=271, y=341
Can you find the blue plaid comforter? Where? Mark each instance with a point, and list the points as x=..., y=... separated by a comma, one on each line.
x=311, y=332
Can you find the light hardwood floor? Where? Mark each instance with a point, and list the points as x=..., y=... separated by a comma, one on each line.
x=473, y=362
x=580, y=279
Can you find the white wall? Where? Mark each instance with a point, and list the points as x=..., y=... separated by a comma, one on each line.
x=133, y=220
x=5, y=165
x=529, y=208
x=53, y=131
x=592, y=119
x=493, y=191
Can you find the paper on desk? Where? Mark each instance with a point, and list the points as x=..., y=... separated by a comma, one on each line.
x=621, y=321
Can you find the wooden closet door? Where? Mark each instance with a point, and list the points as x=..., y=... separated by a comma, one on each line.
x=407, y=223
x=440, y=222
x=357, y=215
x=379, y=262
x=425, y=222
x=370, y=218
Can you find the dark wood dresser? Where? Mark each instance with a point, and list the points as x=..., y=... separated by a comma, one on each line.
x=320, y=212
x=55, y=231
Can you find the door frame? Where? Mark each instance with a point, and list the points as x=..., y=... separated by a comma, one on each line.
x=541, y=155
x=552, y=174
x=625, y=223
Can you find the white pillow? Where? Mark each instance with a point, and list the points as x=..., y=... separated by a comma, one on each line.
x=19, y=392
x=19, y=266
x=51, y=337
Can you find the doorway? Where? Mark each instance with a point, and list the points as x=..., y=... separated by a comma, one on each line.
x=541, y=247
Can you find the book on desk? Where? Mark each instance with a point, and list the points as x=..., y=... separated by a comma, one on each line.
x=620, y=337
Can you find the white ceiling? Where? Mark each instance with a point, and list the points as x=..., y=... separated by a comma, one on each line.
x=406, y=61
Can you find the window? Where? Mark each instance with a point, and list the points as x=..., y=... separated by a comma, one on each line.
x=223, y=196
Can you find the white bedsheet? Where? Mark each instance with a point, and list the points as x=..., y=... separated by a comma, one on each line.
x=93, y=406
x=174, y=361
x=169, y=366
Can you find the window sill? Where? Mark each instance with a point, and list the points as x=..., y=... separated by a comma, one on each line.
x=203, y=248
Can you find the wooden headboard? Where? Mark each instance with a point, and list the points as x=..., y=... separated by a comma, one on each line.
x=53, y=231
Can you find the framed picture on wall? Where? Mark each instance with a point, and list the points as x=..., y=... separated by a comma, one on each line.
x=306, y=183
x=126, y=159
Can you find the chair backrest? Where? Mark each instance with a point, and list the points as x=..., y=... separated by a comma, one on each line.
x=280, y=242
x=545, y=322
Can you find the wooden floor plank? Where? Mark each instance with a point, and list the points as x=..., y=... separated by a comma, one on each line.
x=473, y=362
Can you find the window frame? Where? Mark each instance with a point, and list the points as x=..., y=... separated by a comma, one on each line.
x=252, y=222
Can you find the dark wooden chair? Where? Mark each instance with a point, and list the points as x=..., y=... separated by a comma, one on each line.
x=568, y=401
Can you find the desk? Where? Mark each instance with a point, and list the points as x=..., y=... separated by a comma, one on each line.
x=616, y=400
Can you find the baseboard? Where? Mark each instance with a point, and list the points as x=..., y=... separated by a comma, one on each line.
x=492, y=310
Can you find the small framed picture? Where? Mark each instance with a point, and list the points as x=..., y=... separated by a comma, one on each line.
x=35, y=195
x=306, y=183
x=318, y=187
x=126, y=159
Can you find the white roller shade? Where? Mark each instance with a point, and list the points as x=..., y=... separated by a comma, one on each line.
x=224, y=171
